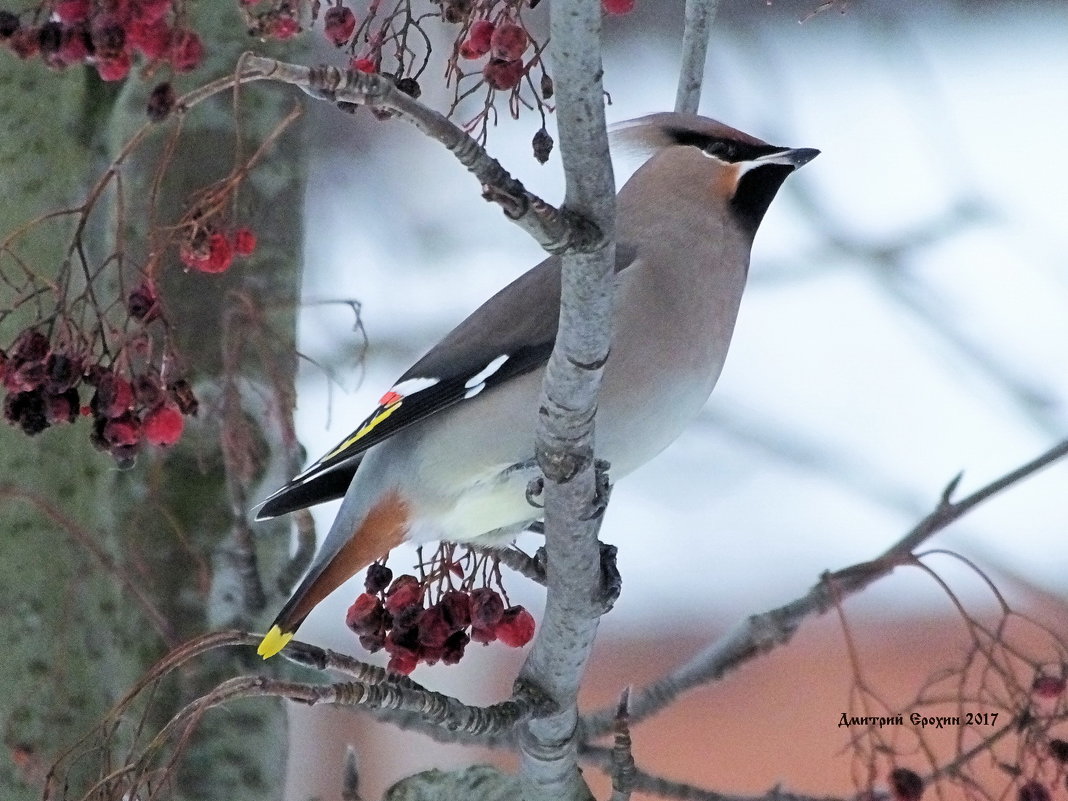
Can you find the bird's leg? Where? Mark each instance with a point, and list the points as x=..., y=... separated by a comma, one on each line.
x=535, y=487
x=602, y=490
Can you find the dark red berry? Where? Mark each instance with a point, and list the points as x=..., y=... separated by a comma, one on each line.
x=1033, y=791
x=9, y=23
x=182, y=395
x=62, y=408
x=114, y=68
x=338, y=24
x=1048, y=686
x=906, y=785
x=24, y=43
x=434, y=629
x=618, y=6
x=542, y=145
x=163, y=425
x=109, y=35
x=123, y=430
x=378, y=578
x=456, y=609
x=410, y=87
x=483, y=635
x=478, y=39
x=29, y=346
x=406, y=620
x=502, y=75
x=151, y=39
x=62, y=372
x=50, y=38
x=148, y=392
x=1058, y=749
x=454, y=648
x=516, y=627
x=486, y=609
x=114, y=396
x=373, y=642
x=26, y=410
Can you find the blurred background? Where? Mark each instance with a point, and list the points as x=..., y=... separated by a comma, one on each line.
x=905, y=320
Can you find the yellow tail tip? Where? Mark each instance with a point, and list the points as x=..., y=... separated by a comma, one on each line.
x=274, y=642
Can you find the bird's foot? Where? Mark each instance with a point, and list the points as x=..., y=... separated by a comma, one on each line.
x=603, y=489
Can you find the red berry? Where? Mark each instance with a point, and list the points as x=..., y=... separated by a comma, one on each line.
x=114, y=68
x=114, y=396
x=62, y=408
x=163, y=425
x=153, y=39
x=150, y=10
x=402, y=663
x=187, y=51
x=434, y=629
x=71, y=11
x=366, y=615
x=160, y=103
x=244, y=242
x=481, y=33
x=618, y=6
x=454, y=648
x=214, y=256
x=338, y=24
x=283, y=27
x=516, y=627
x=75, y=47
x=503, y=74
x=483, y=635
x=1048, y=686
x=25, y=42
x=30, y=346
x=456, y=607
x=109, y=36
x=509, y=42
x=362, y=65
x=403, y=593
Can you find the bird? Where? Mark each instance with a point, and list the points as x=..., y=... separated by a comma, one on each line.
x=447, y=454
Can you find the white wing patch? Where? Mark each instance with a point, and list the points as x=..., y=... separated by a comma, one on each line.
x=413, y=385
x=477, y=382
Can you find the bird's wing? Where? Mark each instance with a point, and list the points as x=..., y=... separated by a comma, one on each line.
x=510, y=334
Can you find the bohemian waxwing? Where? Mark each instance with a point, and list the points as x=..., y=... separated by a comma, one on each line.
x=448, y=452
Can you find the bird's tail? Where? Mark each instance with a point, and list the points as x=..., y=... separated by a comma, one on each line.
x=347, y=550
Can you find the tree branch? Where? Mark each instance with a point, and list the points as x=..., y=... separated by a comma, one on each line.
x=699, y=16
x=564, y=439
x=555, y=230
x=761, y=633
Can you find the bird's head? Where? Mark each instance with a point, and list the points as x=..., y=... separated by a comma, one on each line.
x=744, y=172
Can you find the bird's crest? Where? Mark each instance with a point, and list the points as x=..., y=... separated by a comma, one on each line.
x=644, y=136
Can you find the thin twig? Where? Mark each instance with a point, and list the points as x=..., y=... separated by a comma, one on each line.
x=761, y=633
x=699, y=16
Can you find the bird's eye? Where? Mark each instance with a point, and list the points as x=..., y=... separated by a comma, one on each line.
x=724, y=151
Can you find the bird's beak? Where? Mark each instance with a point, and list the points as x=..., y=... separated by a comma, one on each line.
x=792, y=157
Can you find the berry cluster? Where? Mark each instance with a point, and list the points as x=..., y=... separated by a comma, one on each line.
x=396, y=614
x=278, y=20
x=505, y=43
x=209, y=251
x=44, y=386
x=107, y=34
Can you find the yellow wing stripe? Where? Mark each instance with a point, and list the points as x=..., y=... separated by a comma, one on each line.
x=381, y=414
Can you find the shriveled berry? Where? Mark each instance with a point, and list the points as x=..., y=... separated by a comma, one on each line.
x=77, y=44
x=410, y=87
x=456, y=608
x=454, y=648
x=378, y=577
x=123, y=430
x=187, y=51
x=182, y=394
x=163, y=425
x=402, y=663
x=483, y=635
x=1058, y=749
x=62, y=408
x=542, y=144
x=24, y=43
x=618, y=6
x=338, y=24
x=362, y=65
x=406, y=620
x=405, y=591
x=114, y=68
x=509, y=41
x=516, y=627
x=109, y=35
x=366, y=615
x=434, y=629
x=29, y=346
x=487, y=608
x=1033, y=791
x=72, y=11
x=1048, y=686
x=502, y=75
x=9, y=23
x=26, y=410
x=244, y=242
x=547, y=88
x=62, y=372
x=25, y=377
x=906, y=785
x=50, y=38
x=456, y=10
x=148, y=392
x=374, y=641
